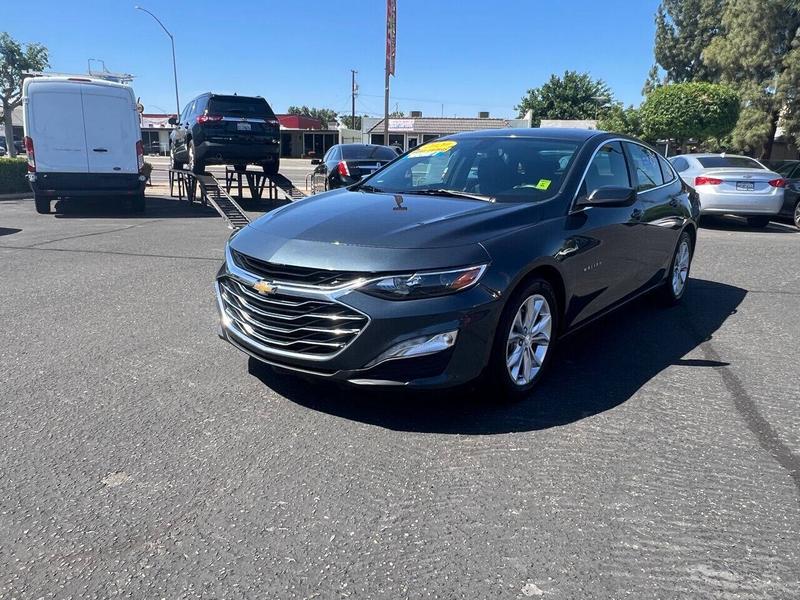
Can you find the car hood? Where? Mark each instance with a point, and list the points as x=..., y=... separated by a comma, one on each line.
x=364, y=231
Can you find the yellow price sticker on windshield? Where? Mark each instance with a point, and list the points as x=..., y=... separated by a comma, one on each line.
x=432, y=148
x=543, y=184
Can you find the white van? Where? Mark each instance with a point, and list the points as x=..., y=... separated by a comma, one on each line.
x=83, y=138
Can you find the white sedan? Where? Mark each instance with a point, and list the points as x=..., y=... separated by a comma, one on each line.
x=733, y=185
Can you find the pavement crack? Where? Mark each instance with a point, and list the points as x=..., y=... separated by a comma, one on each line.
x=93, y=233
x=114, y=253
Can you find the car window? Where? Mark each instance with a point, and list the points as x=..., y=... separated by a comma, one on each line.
x=328, y=154
x=680, y=164
x=645, y=167
x=790, y=170
x=731, y=162
x=240, y=106
x=608, y=168
x=359, y=151
x=667, y=173
x=503, y=168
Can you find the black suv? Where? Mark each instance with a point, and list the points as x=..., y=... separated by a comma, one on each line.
x=226, y=130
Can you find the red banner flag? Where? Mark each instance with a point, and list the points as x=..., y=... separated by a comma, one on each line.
x=391, y=34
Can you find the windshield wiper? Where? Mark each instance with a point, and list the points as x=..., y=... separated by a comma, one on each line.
x=449, y=194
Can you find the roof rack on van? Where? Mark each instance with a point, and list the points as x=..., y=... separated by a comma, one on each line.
x=123, y=78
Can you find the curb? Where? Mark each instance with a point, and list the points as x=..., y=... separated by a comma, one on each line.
x=24, y=195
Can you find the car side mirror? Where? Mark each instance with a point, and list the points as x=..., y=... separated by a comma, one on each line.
x=610, y=195
x=316, y=161
x=172, y=120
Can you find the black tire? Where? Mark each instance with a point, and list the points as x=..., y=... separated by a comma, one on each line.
x=195, y=166
x=498, y=374
x=796, y=215
x=758, y=221
x=42, y=204
x=271, y=168
x=240, y=168
x=670, y=293
x=138, y=203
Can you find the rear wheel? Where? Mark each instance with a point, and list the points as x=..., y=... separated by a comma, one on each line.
x=176, y=164
x=42, y=204
x=796, y=215
x=137, y=203
x=524, y=339
x=271, y=168
x=195, y=166
x=758, y=221
x=675, y=285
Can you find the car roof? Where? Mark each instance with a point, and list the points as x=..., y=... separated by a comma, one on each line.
x=714, y=155
x=551, y=133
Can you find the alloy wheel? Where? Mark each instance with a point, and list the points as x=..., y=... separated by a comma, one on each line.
x=797, y=215
x=528, y=339
x=680, y=268
x=191, y=157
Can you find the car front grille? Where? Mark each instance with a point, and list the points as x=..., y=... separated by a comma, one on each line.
x=295, y=275
x=284, y=323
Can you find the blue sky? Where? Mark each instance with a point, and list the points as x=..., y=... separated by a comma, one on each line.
x=463, y=54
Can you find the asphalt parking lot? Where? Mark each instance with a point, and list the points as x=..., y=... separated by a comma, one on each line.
x=145, y=458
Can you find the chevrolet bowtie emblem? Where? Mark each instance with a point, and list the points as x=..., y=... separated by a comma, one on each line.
x=265, y=288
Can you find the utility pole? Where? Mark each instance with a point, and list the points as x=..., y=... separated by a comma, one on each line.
x=174, y=65
x=391, y=48
x=353, y=95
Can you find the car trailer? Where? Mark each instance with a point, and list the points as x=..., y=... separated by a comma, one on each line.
x=206, y=189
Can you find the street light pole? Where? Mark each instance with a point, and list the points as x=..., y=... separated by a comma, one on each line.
x=174, y=65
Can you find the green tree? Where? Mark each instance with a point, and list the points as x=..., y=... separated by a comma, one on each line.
x=325, y=115
x=15, y=61
x=348, y=121
x=684, y=29
x=693, y=110
x=573, y=96
x=759, y=53
x=618, y=119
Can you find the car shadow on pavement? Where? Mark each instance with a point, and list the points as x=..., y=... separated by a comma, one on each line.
x=731, y=223
x=593, y=371
x=117, y=208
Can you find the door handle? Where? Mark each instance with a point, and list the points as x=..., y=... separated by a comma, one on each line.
x=636, y=214
x=99, y=149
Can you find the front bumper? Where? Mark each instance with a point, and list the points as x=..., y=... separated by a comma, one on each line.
x=745, y=203
x=472, y=313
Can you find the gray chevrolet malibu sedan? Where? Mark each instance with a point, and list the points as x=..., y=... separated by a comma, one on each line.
x=468, y=256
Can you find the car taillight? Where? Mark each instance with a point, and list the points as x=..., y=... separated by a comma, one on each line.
x=208, y=118
x=140, y=155
x=707, y=181
x=342, y=168
x=777, y=183
x=31, y=157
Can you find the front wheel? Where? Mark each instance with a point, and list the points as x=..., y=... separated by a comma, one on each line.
x=675, y=285
x=758, y=221
x=524, y=340
x=195, y=166
x=42, y=204
x=796, y=215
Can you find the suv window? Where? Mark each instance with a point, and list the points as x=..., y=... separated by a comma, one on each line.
x=680, y=164
x=608, y=167
x=734, y=162
x=645, y=167
x=240, y=106
x=357, y=151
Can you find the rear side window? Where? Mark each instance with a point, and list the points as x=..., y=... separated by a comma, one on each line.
x=608, y=168
x=730, y=162
x=360, y=152
x=240, y=106
x=645, y=167
x=666, y=171
x=680, y=164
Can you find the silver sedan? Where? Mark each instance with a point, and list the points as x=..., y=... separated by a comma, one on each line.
x=734, y=185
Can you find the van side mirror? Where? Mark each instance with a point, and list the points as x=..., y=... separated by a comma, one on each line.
x=610, y=195
x=316, y=161
x=172, y=120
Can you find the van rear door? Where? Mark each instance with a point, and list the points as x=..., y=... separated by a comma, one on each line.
x=111, y=128
x=55, y=120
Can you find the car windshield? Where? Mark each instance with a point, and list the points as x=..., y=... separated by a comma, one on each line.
x=728, y=162
x=496, y=168
x=240, y=106
x=358, y=151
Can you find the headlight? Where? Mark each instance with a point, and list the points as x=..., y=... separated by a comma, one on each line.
x=424, y=285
